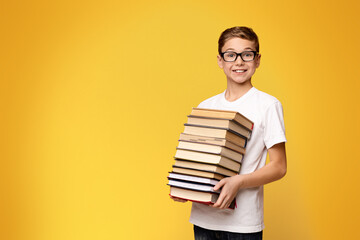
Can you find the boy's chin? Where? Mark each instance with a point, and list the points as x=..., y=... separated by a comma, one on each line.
x=241, y=81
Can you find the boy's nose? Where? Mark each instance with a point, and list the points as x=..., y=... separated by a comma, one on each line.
x=239, y=61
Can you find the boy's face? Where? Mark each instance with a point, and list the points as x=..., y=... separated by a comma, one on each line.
x=239, y=71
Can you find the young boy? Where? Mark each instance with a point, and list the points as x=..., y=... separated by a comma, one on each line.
x=239, y=58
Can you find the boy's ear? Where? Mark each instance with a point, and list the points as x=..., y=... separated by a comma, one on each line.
x=220, y=62
x=258, y=60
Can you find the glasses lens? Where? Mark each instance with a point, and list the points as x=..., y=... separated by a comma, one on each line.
x=229, y=56
x=248, y=56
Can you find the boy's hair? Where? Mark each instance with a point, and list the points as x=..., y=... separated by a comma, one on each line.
x=239, y=32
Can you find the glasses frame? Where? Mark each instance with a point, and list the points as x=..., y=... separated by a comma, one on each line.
x=239, y=54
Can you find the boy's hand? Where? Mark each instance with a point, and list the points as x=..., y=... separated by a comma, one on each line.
x=230, y=187
x=178, y=199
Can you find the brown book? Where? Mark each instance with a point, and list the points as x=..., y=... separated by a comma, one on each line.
x=216, y=133
x=212, y=113
x=220, y=123
x=204, y=167
x=200, y=147
x=197, y=196
x=208, y=158
x=212, y=141
x=198, y=173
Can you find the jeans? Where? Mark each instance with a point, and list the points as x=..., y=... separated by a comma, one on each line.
x=205, y=234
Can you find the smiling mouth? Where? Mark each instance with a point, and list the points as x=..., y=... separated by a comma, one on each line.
x=239, y=71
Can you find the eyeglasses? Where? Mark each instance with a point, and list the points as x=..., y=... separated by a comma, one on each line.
x=246, y=56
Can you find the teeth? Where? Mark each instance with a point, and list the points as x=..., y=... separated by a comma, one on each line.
x=239, y=71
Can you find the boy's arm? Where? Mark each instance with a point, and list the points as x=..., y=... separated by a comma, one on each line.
x=274, y=170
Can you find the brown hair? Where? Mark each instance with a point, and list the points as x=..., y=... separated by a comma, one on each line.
x=239, y=32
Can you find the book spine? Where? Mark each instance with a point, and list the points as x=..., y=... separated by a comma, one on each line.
x=226, y=129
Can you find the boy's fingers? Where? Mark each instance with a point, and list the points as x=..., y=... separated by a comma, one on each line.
x=224, y=203
x=219, y=185
x=220, y=200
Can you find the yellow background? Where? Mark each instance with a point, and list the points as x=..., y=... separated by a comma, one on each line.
x=94, y=95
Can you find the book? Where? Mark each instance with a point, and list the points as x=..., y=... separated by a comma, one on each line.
x=197, y=196
x=220, y=123
x=191, y=185
x=194, y=172
x=204, y=167
x=216, y=133
x=203, y=112
x=211, y=140
x=211, y=148
x=208, y=158
x=187, y=178
x=200, y=147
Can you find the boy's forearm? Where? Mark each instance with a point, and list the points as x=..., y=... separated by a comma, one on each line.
x=267, y=174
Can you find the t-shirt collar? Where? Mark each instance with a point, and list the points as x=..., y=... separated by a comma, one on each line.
x=239, y=100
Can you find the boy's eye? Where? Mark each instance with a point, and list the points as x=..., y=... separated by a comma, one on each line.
x=248, y=54
x=231, y=54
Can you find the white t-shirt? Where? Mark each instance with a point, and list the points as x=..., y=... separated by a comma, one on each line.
x=267, y=114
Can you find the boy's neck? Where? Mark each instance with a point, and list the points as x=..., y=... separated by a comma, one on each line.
x=236, y=90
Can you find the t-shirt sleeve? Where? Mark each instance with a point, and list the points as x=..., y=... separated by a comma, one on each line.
x=202, y=105
x=274, y=128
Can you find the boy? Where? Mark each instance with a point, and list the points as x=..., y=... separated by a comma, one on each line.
x=239, y=57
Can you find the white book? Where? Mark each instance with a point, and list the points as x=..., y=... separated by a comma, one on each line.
x=192, y=186
x=177, y=176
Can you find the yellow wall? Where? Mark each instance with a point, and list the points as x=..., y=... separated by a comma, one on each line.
x=94, y=94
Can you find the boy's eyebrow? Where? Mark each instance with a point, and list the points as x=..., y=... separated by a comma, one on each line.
x=234, y=49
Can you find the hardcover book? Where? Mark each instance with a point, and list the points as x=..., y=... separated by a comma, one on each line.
x=200, y=173
x=197, y=196
x=200, y=147
x=211, y=141
x=204, y=167
x=187, y=178
x=220, y=123
x=216, y=133
x=208, y=158
x=203, y=112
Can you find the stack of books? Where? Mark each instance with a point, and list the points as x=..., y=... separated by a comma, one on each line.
x=211, y=148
